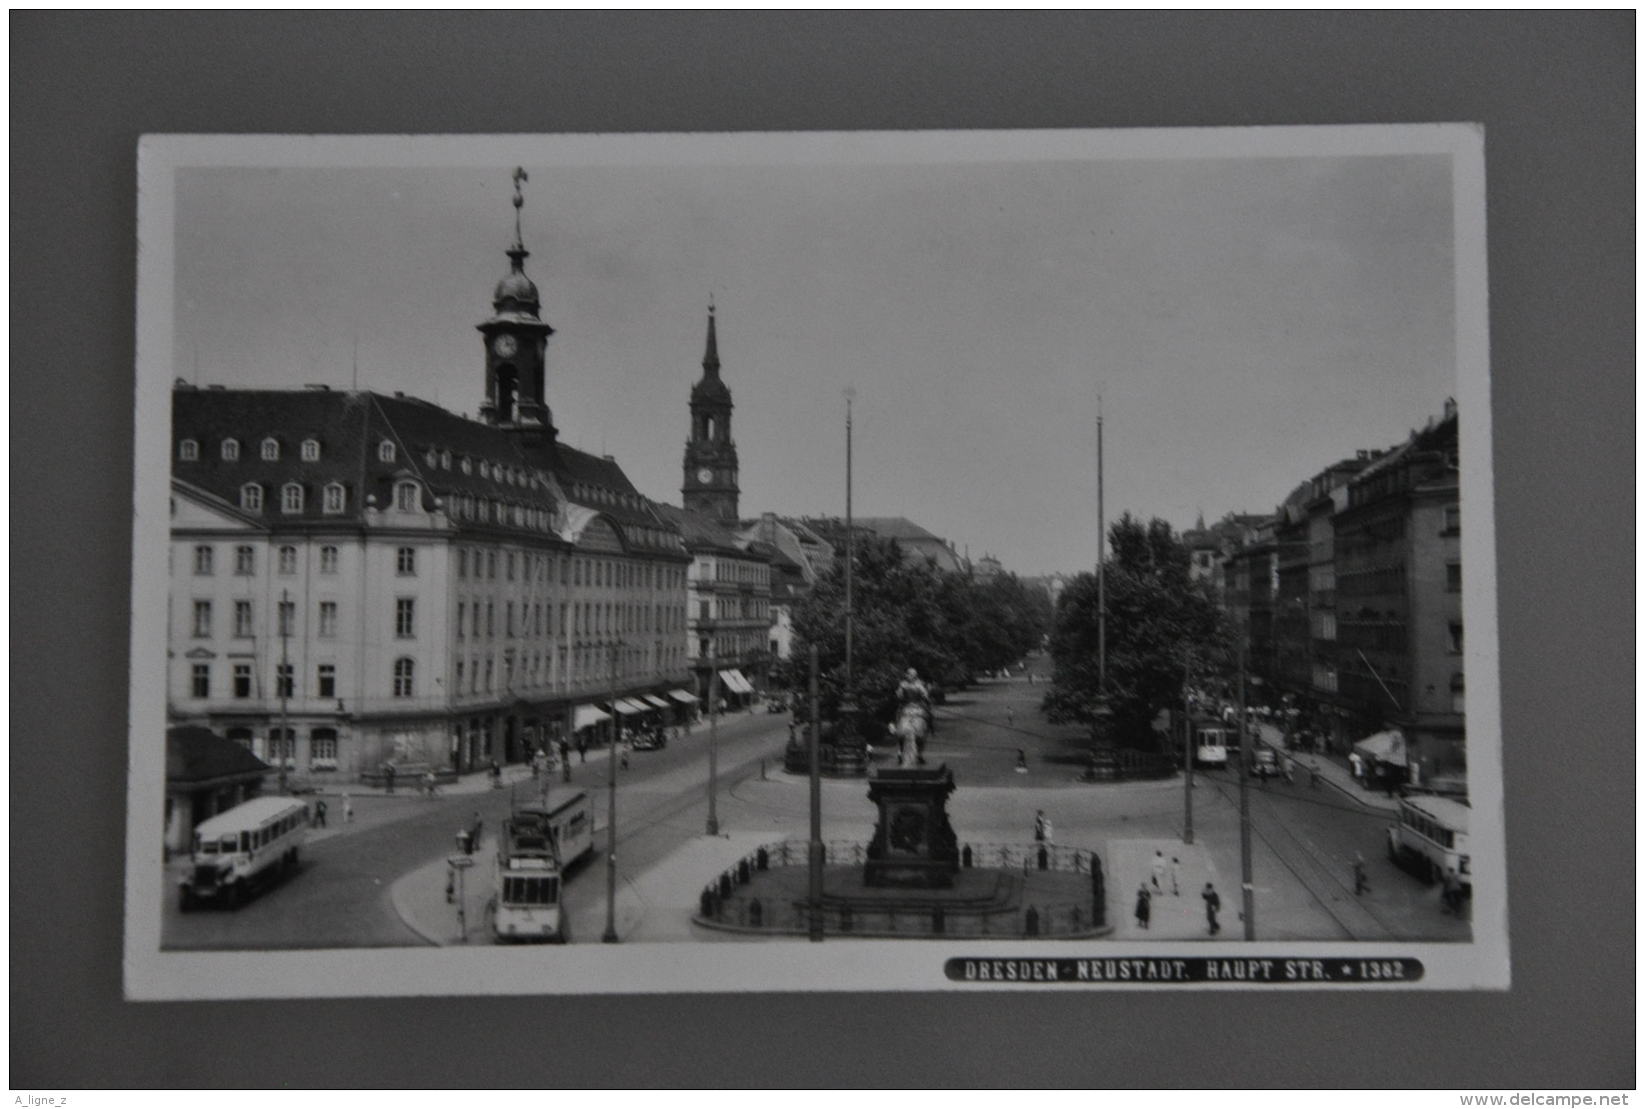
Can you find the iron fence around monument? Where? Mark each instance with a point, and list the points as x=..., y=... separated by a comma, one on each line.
x=1071, y=904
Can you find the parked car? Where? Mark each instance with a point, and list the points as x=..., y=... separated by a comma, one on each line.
x=648, y=741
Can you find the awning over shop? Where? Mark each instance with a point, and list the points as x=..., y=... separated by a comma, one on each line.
x=654, y=701
x=683, y=696
x=628, y=708
x=1389, y=747
x=587, y=716
x=735, y=681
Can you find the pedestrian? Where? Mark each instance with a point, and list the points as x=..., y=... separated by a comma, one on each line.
x=428, y=784
x=1286, y=765
x=1213, y=905
x=388, y=776
x=1356, y=766
x=1176, y=868
x=1022, y=761
x=1010, y=718
x=624, y=756
x=537, y=765
x=1361, y=885
x=582, y=748
x=496, y=775
x=1144, y=907
x=319, y=814
x=1158, y=867
x=1040, y=824
x=1030, y=678
x=474, y=833
x=348, y=809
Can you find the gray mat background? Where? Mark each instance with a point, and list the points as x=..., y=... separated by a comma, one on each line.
x=1556, y=93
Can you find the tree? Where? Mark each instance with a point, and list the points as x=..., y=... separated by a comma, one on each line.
x=946, y=625
x=1158, y=621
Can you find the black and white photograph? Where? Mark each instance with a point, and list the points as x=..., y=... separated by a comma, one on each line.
x=825, y=561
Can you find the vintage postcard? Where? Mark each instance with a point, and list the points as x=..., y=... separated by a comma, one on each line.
x=814, y=561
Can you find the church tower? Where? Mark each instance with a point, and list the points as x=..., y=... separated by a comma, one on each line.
x=710, y=454
x=516, y=346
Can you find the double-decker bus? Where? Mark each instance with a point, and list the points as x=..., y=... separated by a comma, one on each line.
x=1430, y=837
x=237, y=850
x=537, y=846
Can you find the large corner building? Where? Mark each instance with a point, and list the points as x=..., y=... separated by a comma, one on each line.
x=359, y=578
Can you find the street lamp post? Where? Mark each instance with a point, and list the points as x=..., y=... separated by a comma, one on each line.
x=713, y=827
x=817, y=850
x=1187, y=758
x=1246, y=890
x=610, y=935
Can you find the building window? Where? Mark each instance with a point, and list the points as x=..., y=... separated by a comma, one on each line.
x=404, y=672
x=286, y=610
x=405, y=618
x=1458, y=700
x=291, y=497
x=311, y=450
x=1456, y=637
x=188, y=450
x=202, y=619
x=242, y=680
x=251, y=497
x=326, y=680
x=245, y=561
x=283, y=684
x=328, y=560
x=328, y=619
x=242, y=736
x=385, y=451
x=405, y=496
x=462, y=613
x=231, y=450
x=462, y=562
x=271, y=449
x=1453, y=577
x=336, y=499
x=459, y=675
x=510, y=566
x=405, y=562
x=288, y=560
x=322, y=745
x=1453, y=521
x=200, y=680
x=242, y=620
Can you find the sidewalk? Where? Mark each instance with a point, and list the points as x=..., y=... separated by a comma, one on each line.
x=1173, y=916
x=1331, y=773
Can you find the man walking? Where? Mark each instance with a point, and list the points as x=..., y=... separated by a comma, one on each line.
x=1176, y=873
x=1213, y=905
x=1159, y=871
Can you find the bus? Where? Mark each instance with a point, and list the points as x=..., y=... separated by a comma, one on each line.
x=538, y=845
x=1430, y=837
x=235, y=851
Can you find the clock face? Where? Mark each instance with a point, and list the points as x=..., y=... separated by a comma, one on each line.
x=505, y=346
x=705, y=475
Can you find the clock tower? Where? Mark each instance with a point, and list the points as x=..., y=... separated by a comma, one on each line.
x=710, y=454
x=516, y=345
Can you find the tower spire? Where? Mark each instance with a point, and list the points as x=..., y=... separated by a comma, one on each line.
x=711, y=353
x=519, y=202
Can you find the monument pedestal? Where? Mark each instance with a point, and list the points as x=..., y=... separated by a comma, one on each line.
x=914, y=846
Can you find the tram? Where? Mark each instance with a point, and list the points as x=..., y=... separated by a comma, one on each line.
x=538, y=845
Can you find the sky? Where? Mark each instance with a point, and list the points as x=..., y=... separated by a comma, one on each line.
x=1248, y=312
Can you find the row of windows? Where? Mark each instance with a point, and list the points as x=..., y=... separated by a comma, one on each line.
x=242, y=680
x=188, y=450
x=481, y=565
x=537, y=619
x=245, y=626
x=245, y=560
x=586, y=662
x=334, y=497
x=282, y=743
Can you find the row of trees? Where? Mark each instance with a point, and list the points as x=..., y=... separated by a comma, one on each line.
x=949, y=626
x=1161, y=625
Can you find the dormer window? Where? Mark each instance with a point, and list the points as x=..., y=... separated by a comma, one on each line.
x=336, y=498
x=291, y=497
x=188, y=450
x=432, y=457
x=405, y=496
x=251, y=497
x=385, y=451
x=311, y=450
x=271, y=449
x=445, y=460
x=467, y=465
x=231, y=450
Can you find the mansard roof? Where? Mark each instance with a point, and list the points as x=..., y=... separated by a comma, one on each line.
x=703, y=534
x=450, y=456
